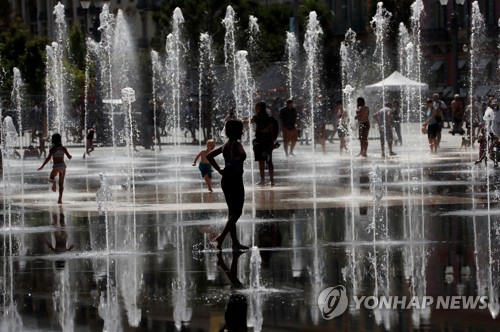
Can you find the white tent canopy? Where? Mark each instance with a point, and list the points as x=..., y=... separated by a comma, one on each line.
x=396, y=82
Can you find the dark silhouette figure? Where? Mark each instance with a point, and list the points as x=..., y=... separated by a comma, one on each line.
x=266, y=133
x=57, y=152
x=41, y=146
x=232, y=180
x=89, y=143
x=236, y=311
x=362, y=115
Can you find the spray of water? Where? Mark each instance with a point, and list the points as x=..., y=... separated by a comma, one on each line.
x=105, y=61
x=253, y=39
x=292, y=49
x=128, y=97
x=244, y=87
x=64, y=299
x=255, y=318
x=104, y=197
x=380, y=25
x=175, y=77
x=417, y=13
x=18, y=97
x=229, y=23
x=205, y=80
x=57, y=76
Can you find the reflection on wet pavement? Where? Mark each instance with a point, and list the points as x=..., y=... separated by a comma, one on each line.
x=412, y=226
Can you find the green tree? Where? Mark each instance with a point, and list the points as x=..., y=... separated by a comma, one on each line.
x=273, y=20
x=20, y=49
x=207, y=16
x=76, y=65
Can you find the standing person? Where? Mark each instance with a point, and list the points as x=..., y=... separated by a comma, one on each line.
x=343, y=126
x=482, y=139
x=288, y=117
x=433, y=125
x=41, y=145
x=492, y=122
x=57, y=152
x=384, y=121
x=471, y=119
x=89, y=143
x=204, y=166
x=440, y=105
x=396, y=120
x=232, y=180
x=457, y=114
x=362, y=115
x=266, y=132
x=492, y=118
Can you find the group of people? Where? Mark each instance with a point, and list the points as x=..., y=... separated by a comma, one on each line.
x=388, y=120
x=478, y=119
x=266, y=134
x=265, y=141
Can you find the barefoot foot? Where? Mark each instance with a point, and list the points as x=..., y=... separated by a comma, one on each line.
x=240, y=247
x=217, y=242
x=53, y=184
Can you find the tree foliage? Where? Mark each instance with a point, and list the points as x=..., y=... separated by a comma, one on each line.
x=207, y=16
x=18, y=48
x=273, y=20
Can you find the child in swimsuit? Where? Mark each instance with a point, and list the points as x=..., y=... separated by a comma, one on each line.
x=204, y=166
x=57, y=152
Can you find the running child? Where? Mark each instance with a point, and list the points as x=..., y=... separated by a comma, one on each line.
x=57, y=152
x=89, y=145
x=204, y=166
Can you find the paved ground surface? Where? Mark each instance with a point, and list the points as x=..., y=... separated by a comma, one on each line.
x=410, y=225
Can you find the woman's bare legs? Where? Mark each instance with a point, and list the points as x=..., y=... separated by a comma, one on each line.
x=229, y=228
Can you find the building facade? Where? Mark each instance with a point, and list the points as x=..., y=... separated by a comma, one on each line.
x=437, y=37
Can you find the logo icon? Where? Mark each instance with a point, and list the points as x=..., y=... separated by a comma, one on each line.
x=332, y=302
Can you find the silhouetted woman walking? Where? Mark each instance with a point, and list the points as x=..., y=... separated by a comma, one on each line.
x=232, y=180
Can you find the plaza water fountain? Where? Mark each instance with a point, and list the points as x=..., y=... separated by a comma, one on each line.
x=381, y=229
x=57, y=80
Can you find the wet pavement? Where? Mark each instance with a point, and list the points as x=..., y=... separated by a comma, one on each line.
x=414, y=225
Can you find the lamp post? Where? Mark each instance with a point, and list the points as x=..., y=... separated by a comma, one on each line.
x=85, y=4
x=96, y=10
x=455, y=25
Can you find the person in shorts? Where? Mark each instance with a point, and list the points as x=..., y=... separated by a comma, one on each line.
x=204, y=166
x=384, y=120
x=433, y=126
x=288, y=117
x=266, y=132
